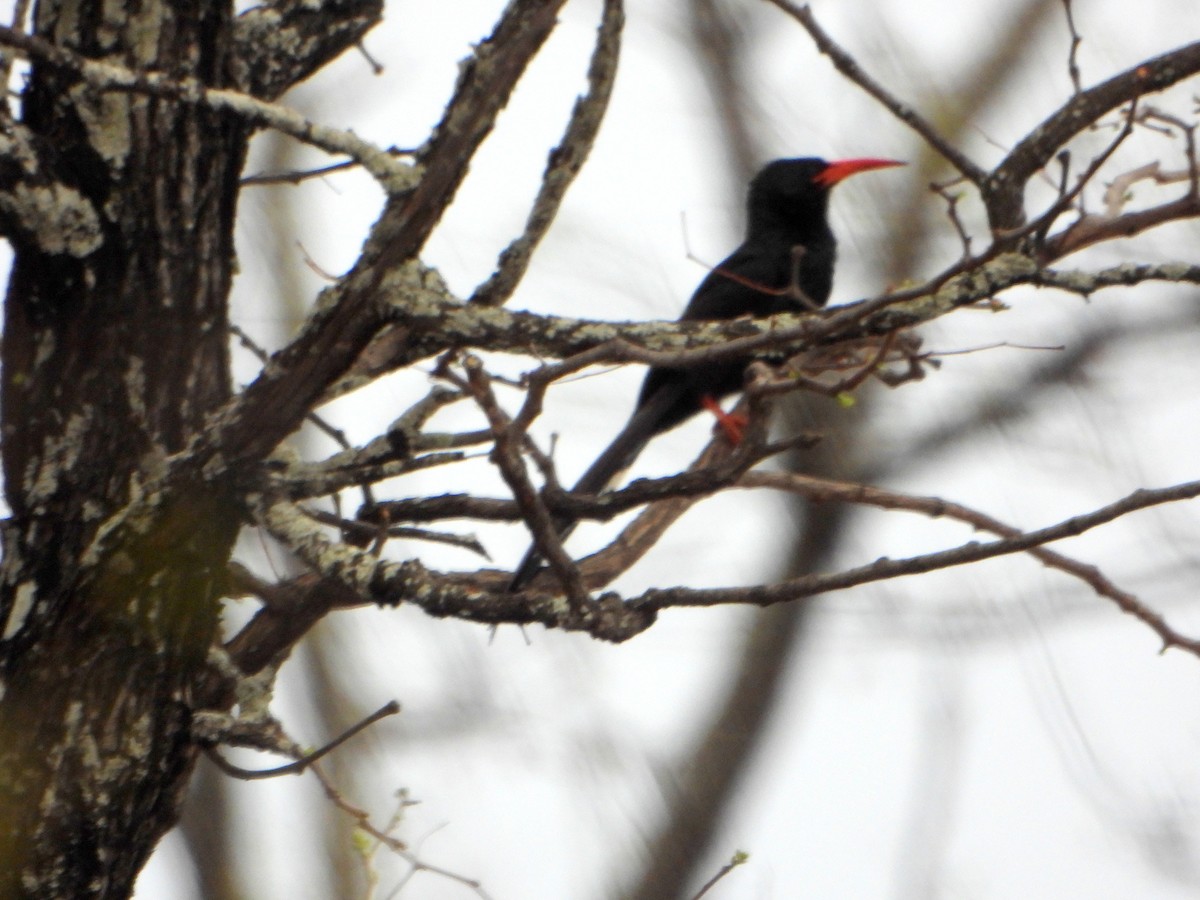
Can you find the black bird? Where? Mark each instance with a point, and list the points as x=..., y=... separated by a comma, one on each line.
x=785, y=264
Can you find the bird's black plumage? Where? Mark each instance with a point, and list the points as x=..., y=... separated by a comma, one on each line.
x=785, y=264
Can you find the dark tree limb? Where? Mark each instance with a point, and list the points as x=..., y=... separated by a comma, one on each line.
x=1004, y=190
x=1020, y=542
x=280, y=44
x=348, y=315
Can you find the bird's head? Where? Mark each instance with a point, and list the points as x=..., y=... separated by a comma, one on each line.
x=792, y=193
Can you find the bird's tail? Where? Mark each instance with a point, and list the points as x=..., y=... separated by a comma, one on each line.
x=644, y=424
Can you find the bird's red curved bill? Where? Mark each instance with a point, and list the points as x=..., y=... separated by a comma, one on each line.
x=844, y=168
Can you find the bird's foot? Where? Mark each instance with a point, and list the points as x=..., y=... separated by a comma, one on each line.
x=733, y=426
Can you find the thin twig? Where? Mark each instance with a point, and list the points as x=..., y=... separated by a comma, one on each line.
x=1189, y=135
x=849, y=67
x=336, y=434
x=822, y=490
x=366, y=530
x=739, y=859
x=306, y=761
x=972, y=552
x=790, y=377
x=506, y=454
x=564, y=162
x=943, y=191
x=302, y=175
x=1072, y=57
x=362, y=820
x=376, y=65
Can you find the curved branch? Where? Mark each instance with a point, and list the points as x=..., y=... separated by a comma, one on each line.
x=485, y=83
x=390, y=583
x=974, y=551
x=1097, y=228
x=391, y=173
x=848, y=66
x=278, y=45
x=1004, y=190
x=431, y=316
x=612, y=618
x=565, y=160
x=822, y=491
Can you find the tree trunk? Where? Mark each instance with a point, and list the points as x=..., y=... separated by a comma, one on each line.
x=115, y=348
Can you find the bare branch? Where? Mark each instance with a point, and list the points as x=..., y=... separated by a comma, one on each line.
x=1096, y=229
x=822, y=490
x=809, y=585
x=360, y=532
x=280, y=44
x=1004, y=189
x=506, y=454
x=486, y=81
x=565, y=160
x=1043, y=223
x=848, y=66
x=299, y=177
x=394, y=176
x=362, y=820
x=1072, y=57
x=739, y=859
x=307, y=760
x=719, y=464
x=348, y=315
x=952, y=198
x=290, y=609
x=471, y=598
x=353, y=468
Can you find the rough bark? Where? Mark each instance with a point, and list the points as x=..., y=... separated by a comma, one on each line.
x=115, y=349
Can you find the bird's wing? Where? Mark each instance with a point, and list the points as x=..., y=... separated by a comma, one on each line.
x=741, y=285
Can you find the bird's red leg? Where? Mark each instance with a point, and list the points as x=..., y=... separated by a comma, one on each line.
x=734, y=426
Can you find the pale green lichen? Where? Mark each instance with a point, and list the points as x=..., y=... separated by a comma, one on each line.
x=22, y=604
x=139, y=737
x=60, y=453
x=61, y=219
x=106, y=117
x=137, y=515
x=144, y=28
x=135, y=387
x=46, y=343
